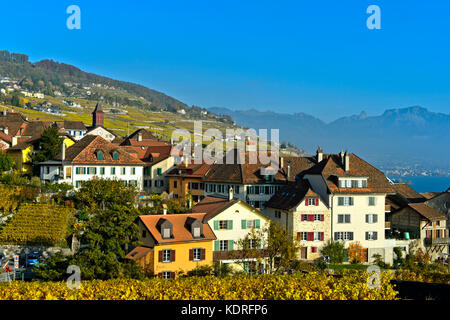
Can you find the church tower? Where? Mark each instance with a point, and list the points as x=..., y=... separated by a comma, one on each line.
x=97, y=116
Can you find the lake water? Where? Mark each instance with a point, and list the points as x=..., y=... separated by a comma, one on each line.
x=425, y=184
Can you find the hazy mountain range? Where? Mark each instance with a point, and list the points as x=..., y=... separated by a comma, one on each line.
x=413, y=136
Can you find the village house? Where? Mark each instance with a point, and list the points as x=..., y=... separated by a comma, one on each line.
x=90, y=158
x=75, y=129
x=97, y=128
x=232, y=220
x=249, y=182
x=173, y=244
x=304, y=214
x=186, y=181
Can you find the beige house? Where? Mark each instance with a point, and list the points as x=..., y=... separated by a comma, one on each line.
x=425, y=224
x=232, y=220
x=306, y=216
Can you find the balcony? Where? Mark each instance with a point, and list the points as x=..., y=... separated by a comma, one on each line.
x=437, y=241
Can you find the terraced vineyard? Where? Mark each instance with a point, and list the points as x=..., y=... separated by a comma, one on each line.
x=36, y=224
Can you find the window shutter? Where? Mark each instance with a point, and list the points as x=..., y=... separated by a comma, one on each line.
x=335, y=236
x=216, y=245
x=160, y=256
x=321, y=236
x=230, y=224
x=367, y=236
x=317, y=201
x=191, y=254
x=340, y=201
x=375, y=218
x=160, y=275
x=230, y=244
x=173, y=256
x=244, y=224
x=257, y=223
x=310, y=217
x=216, y=224
x=172, y=275
x=367, y=219
x=203, y=254
x=299, y=235
x=322, y=217
x=306, y=202
x=259, y=244
x=310, y=236
x=351, y=236
x=351, y=201
x=375, y=235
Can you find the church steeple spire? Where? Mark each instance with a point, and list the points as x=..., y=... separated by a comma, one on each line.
x=97, y=115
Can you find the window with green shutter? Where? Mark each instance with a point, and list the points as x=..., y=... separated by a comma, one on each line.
x=216, y=225
x=95, y=170
x=133, y=171
x=217, y=245
x=77, y=170
x=244, y=224
x=257, y=223
x=113, y=170
x=230, y=224
x=102, y=170
x=230, y=244
x=159, y=171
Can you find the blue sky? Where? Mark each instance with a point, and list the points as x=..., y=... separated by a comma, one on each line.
x=316, y=57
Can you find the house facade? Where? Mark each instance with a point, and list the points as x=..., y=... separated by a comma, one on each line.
x=232, y=220
x=304, y=214
x=173, y=244
x=93, y=158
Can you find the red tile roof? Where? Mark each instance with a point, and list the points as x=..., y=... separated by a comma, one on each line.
x=191, y=170
x=427, y=212
x=137, y=253
x=180, y=232
x=85, y=152
x=212, y=206
x=291, y=195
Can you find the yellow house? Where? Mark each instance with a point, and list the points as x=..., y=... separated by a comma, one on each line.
x=21, y=150
x=173, y=244
x=187, y=179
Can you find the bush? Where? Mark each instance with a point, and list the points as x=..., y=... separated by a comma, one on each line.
x=356, y=253
x=313, y=286
x=335, y=250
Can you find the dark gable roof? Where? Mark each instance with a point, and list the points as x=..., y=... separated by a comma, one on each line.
x=332, y=167
x=84, y=152
x=404, y=195
x=181, y=170
x=144, y=133
x=247, y=173
x=13, y=121
x=212, y=206
x=426, y=211
x=291, y=195
x=71, y=125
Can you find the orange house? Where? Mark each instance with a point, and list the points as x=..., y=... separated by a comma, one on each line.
x=173, y=244
x=187, y=179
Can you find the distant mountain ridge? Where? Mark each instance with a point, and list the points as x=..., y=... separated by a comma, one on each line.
x=412, y=135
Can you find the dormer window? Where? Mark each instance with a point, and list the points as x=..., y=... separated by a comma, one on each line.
x=195, y=227
x=197, y=232
x=354, y=183
x=115, y=155
x=99, y=155
x=166, y=228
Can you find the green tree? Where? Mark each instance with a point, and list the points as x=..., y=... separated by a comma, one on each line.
x=273, y=244
x=49, y=146
x=6, y=162
x=109, y=236
x=104, y=193
x=335, y=250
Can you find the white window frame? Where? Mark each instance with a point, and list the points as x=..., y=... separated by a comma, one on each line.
x=197, y=254
x=167, y=255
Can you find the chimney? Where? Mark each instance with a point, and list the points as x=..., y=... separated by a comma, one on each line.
x=230, y=194
x=347, y=161
x=164, y=209
x=341, y=156
x=13, y=141
x=281, y=163
x=319, y=154
x=139, y=137
x=63, y=151
x=288, y=172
